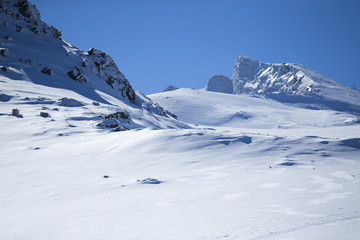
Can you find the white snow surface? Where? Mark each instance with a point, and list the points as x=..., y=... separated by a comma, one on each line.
x=277, y=172
x=231, y=166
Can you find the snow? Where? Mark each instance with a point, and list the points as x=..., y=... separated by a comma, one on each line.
x=219, y=180
x=229, y=167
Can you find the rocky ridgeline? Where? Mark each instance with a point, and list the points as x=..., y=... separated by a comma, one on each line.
x=287, y=82
x=252, y=76
x=24, y=16
x=29, y=46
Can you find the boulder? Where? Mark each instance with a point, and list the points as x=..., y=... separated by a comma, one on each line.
x=77, y=74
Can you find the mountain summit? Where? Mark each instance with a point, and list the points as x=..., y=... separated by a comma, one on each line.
x=287, y=82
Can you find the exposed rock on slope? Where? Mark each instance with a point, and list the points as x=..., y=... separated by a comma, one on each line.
x=107, y=69
x=257, y=77
x=32, y=51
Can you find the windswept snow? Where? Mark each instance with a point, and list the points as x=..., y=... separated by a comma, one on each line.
x=246, y=111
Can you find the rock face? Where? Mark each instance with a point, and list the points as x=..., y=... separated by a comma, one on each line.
x=219, y=83
x=289, y=83
x=252, y=76
x=27, y=16
x=107, y=69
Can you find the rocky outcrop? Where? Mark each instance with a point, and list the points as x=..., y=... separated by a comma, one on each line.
x=27, y=18
x=106, y=69
x=219, y=83
x=78, y=75
x=252, y=76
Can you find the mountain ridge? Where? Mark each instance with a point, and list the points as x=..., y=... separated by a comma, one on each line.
x=289, y=83
x=33, y=51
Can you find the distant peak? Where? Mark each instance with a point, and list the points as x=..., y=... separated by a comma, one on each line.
x=245, y=59
x=170, y=88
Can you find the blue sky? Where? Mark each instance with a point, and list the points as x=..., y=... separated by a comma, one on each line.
x=184, y=43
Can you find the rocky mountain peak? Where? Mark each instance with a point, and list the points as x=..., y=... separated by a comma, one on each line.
x=253, y=76
x=220, y=83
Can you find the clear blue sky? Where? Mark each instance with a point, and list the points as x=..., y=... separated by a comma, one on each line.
x=156, y=43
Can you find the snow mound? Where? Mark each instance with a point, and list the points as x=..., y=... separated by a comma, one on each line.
x=69, y=102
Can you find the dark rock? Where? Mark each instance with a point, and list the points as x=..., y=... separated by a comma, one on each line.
x=117, y=115
x=56, y=32
x=4, y=52
x=15, y=112
x=149, y=181
x=106, y=69
x=77, y=74
x=47, y=71
x=28, y=10
x=44, y=114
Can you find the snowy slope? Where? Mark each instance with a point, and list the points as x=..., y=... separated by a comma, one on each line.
x=289, y=83
x=33, y=52
x=245, y=111
x=219, y=181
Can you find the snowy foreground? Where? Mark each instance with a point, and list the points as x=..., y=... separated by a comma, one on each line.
x=248, y=168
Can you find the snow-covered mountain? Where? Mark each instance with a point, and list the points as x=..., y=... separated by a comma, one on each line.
x=33, y=54
x=289, y=83
x=231, y=166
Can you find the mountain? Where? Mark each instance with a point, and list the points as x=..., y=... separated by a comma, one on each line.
x=33, y=54
x=288, y=83
x=228, y=166
x=170, y=88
